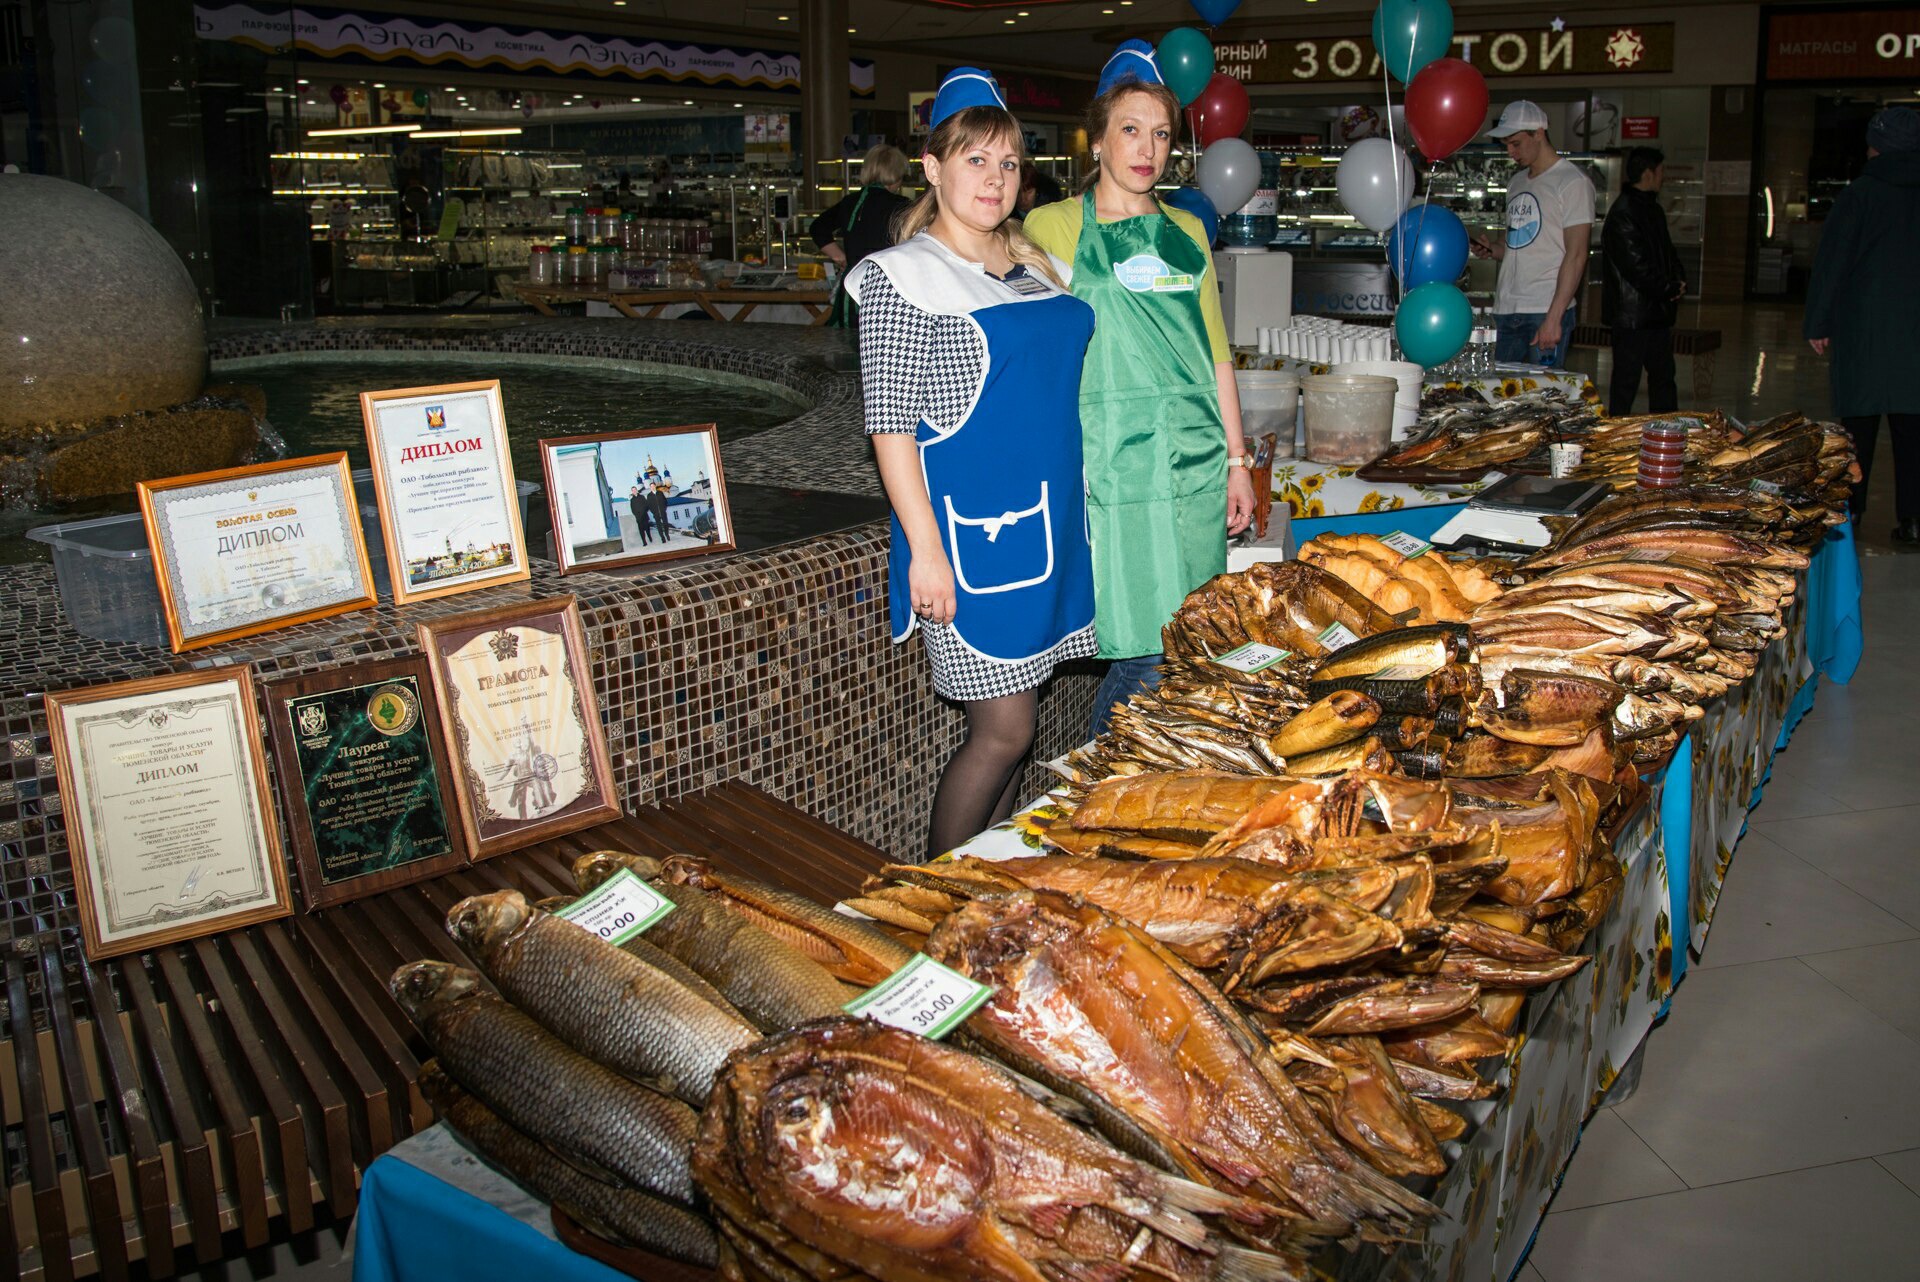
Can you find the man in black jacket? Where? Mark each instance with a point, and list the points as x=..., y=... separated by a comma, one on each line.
x=1642, y=286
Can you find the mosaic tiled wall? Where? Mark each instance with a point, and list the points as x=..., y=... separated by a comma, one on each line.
x=774, y=667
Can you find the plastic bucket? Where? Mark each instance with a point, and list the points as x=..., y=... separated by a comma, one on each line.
x=1406, y=401
x=1349, y=417
x=1269, y=404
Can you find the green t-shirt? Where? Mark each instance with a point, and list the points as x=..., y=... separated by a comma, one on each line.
x=1056, y=229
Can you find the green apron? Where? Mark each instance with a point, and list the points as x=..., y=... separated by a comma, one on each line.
x=1156, y=450
x=844, y=312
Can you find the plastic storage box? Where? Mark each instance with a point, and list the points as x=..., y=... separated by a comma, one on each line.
x=105, y=568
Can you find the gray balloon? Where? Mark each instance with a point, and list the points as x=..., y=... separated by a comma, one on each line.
x=1229, y=174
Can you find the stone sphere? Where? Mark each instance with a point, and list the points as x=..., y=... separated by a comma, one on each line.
x=97, y=313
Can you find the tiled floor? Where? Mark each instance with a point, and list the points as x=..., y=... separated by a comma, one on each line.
x=1776, y=1131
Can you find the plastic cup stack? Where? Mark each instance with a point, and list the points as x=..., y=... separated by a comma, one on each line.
x=1663, y=454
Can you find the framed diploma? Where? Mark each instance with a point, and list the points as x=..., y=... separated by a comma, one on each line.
x=516, y=699
x=629, y=498
x=363, y=778
x=250, y=549
x=164, y=785
x=448, y=506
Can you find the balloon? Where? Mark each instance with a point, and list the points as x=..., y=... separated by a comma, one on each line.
x=1433, y=323
x=1228, y=173
x=1446, y=105
x=112, y=39
x=107, y=83
x=1429, y=243
x=1186, y=60
x=1375, y=180
x=1408, y=34
x=339, y=95
x=99, y=127
x=1215, y=12
x=421, y=97
x=1222, y=109
x=1195, y=202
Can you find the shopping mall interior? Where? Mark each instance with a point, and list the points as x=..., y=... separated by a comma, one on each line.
x=228, y=227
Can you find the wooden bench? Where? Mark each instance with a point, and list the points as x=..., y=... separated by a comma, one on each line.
x=239, y=1084
x=1700, y=344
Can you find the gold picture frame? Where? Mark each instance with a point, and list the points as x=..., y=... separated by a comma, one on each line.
x=521, y=723
x=246, y=550
x=167, y=776
x=458, y=424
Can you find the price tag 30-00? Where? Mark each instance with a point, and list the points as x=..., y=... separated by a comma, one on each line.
x=922, y=997
x=618, y=908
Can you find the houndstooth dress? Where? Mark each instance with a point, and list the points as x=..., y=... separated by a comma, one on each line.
x=917, y=365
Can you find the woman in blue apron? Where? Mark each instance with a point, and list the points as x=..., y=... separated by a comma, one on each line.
x=970, y=353
x=1167, y=470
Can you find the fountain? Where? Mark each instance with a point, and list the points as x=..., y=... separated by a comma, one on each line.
x=102, y=352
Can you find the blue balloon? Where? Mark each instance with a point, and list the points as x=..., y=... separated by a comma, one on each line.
x=1408, y=34
x=1215, y=12
x=1429, y=243
x=1433, y=323
x=1195, y=202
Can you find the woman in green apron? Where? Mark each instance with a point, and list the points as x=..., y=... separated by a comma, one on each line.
x=862, y=223
x=1167, y=471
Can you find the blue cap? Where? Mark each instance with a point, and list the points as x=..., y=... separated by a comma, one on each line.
x=965, y=87
x=1131, y=60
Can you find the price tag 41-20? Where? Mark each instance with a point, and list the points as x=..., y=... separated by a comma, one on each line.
x=922, y=997
x=618, y=908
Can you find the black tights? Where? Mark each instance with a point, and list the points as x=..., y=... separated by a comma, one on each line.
x=978, y=787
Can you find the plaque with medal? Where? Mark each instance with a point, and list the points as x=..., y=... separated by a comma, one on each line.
x=363, y=779
x=516, y=701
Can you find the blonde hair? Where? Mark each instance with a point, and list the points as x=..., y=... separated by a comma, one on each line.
x=885, y=165
x=1100, y=114
x=958, y=134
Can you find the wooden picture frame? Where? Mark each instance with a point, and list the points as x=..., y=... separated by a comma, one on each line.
x=418, y=434
x=164, y=780
x=369, y=720
x=589, y=513
x=246, y=550
x=522, y=723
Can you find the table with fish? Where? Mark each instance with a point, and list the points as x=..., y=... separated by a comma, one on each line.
x=1314, y=964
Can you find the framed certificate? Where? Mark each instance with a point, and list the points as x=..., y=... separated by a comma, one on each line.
x=164, y=785
x=522, y=725
x=629, y=498
x=363, y=779
x=250, y=549
x=448, y=506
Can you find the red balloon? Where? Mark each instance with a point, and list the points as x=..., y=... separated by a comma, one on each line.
x=1446, y=105
x=1221, y=109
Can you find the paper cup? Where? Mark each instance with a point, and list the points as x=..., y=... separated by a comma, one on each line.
x=1563, y=459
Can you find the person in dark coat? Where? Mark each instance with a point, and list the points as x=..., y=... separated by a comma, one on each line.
x=863, y=220
x=1641, y=287
x=1863, y=309
x=658, y=502
x=642, y=518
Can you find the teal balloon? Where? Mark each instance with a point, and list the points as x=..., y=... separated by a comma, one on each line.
x=1433, y=323
x=1408, y=34
x=1186, y=61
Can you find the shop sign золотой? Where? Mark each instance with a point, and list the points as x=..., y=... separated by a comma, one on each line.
x=1610, y=49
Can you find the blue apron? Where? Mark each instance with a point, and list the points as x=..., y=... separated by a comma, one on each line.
x=1008, y=489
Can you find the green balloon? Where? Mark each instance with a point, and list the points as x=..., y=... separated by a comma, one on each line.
x=1186, y=60
x=421, y=97
x=1433, y=323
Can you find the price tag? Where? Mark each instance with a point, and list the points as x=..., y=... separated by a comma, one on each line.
x=921, y=997
x=1407, y=545
x=1252, y=657
x=1401, y=672
x=1764, y=487
x=1337, y=636
x=618, y=908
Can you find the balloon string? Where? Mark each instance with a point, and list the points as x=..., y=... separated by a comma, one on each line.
x=1399, y=197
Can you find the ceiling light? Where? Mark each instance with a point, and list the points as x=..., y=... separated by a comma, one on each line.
x=1023, y=13
x=318, y=155
x=739, y=104
x=453, y=89
x=352, y=130
x=467, y=133
x=312, y=103
x=1008, y=21
x=303, y=83
x=687, y=102
x=783, y=17
x=633, y=100
x=379, y=84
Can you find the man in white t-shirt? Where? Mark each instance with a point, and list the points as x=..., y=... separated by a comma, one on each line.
x=1543, y=259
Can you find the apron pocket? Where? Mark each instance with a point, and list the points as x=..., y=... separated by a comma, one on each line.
x=1012, y=549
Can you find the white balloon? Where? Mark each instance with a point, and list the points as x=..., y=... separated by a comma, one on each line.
x=1375, y=179
x=1228, y=174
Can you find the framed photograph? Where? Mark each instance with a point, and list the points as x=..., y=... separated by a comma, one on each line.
x=629, y=498
x=448, y=507
x=249, y=549
x=363, y=779
x=515, y=688
x=163, y=782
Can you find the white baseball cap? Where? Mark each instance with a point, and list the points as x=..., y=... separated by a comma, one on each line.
x=1519, y=115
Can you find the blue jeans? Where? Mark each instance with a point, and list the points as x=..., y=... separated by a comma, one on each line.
x=1514, y=346
x=1126, y=678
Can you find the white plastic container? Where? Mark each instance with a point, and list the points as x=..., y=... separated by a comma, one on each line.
x=1269, y=403
x=1406, y=401
x=1349, y=417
